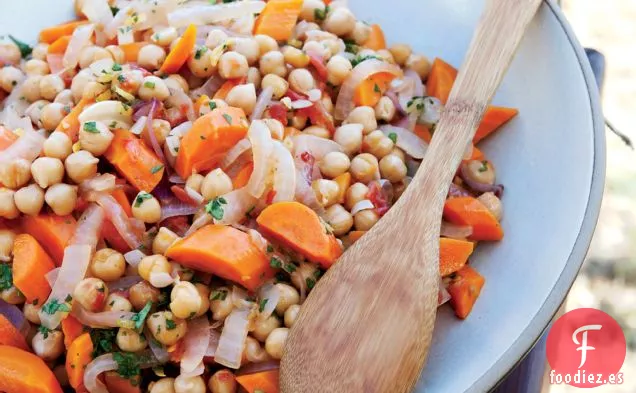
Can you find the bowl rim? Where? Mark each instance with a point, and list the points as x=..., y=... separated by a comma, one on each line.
x=539, y=323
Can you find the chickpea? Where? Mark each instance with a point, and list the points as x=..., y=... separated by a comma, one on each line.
x=299, y=122
x=364, y=115
x=12, y=296
x=301, y=80
x=248, y=47
x=222, y=381
x=480, y=171
x=91, y=294
x=291, y=315
x=10, y=77
x=340, y=22
x=10, y=51
x=364, y=167
x=185, y=300
x=52, y=114
x=215, y=183
x=361, y=33
x=273, y=62
x=265, y=44
x=317, y=48
x=385, y=55
x=58, y=145
x=129, y=340
x=264, y=327
x=215, y=38
x=278, y=85
x=349, y=136
x=338, y=69
x=50, y=86
x=276, y=128
x=116, y=53
x=146, y=208
x=153, y=264
x=31, y=312
x=8, y=208
x=81, y=166
x=419, y=64
x=377, y=144
x=117, y=302
x=40, y=51
x=334, y=164
x=295, y=57
x=356, y=193
x=385, y=109
x=164, y=385
x=254, y=77
x=164, y=37
x=275, y=343
x=108, y=265
x=31, y=88
x=7, y=237
x=253, y=351
x=47, y=171
x=310, y=8
x=392, y=168
x=221, y=303
x=204, y=293
x=177, y=82
x=200, y=62
x=128, y=80
x=80, y=81
x=185, y=384
x=194, y=182
x=161, y=128
x=365, y=220
x=242, y=96
x=398, y=153
x=318, y=131
x=151, y=57
x=142, y=293
x=326, y=191
x=401, y=53
x=91, y=54
x=49, y=346
x=233, y=65
x=30, y=199
x=288, y=297
x=339, y=219
x=165, y=328
x=153, y=87
x=16, y=174
x=61, y=198
x=164, y=239
x=34, y=111
x=65, y=98
x=492, y=203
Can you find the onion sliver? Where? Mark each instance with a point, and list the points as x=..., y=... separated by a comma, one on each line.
x=364, y=204
x=406, y=140
x=270, y=295
x=453, y=231
x=232, y=341
x=211, y=14
x=238, y=203
x=284, y=174
x=134, y=257
x=195, y=344
x=105, y=319
x=81, y=37
x=262, y=147
x=235, y=152
x=317, y=146
x=261, y=104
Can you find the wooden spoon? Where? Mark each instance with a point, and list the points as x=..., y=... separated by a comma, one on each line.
x=367, y=325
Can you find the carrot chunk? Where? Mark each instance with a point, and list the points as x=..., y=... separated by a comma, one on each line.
x=464, y=288
x=30, y=265
x=181, y=51
x=376, y=39
x=115, y=383
x=24, y=372
x=10, y=335
x=369, y=92
x=131, y=51
x=79, y=354
x=70, y=124
x=495, y=117
x=243, y=176
x=470, y=211
x=59, y=45
x=343, y=181
x=7, y=137
x=51, y=34
x=72, y=329
x=53, y=232
x=278, y=19
x=264, y=381
x=453, y=255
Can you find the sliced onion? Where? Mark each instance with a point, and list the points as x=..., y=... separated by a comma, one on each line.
x=257, y=238
x=100, y=183
x=442, y=294
x=115, y=214
x=304, y=192
x=418, y=87
x=14, y=315
x=139, y=126
x=107, y=111
x=51, y=276
x=239, y=297
x=74, y=266
x=432, y=112
x=200, y=222
x=81, y=38
x=98, y=366
x=27, y=147
x=453, y=231
x=261, y=104
x=16, y=116
x=118, y=20
x=195, y=344
x=97, y=11
x=235, y=152
x=123, y=283
x=158, y=350
x=301, y=104
x=181, y=129
x=345, y=102
x=89, y=227
x=213, y=343
x=412, y=145
x=134, y=257
x=314, y=95
x=195, y=196
x=272, y=294
x=284, y=174
x=364, y=204
x=154, y=104
x=178, y=209
x=180, y=100
x=176, y=179
x=232, y=341
x=210, y=87
x=262, y=147
x=205, y=14
x=160, y=279
x=239, y=202
x=456, y=191
x=317, y=146
x=198, y=370
x=105, y=319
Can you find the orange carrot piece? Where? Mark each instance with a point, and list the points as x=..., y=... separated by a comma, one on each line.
x=225, y=88
x=264, y=381
x=278, y=19
x=225, y=252
x=30, y=265
x=51, y=34
x=477, y=154
x=209, y=139
x=243, y=176
x=495, y=117
x=464, y=289
x=24, y=372
x=78, y=356
x=10, y=335
x=52, y=232
x=296, y=226
x=70, y=124
x=355, y=235
x=470, y=211
x=131, y=51
x=453, y=255
x=376, y=40
x=7, y=137
x=369, y=92
x=135, y=161
x=59, y=46
x=115, y=383
x=343, y=181
x=181, y=51
x=72, y=329
x=109, y=232
x=423, y=132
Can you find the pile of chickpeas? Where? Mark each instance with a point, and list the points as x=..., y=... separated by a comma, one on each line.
x=53, y=179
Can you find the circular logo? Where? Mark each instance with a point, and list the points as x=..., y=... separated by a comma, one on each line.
x=586, y=348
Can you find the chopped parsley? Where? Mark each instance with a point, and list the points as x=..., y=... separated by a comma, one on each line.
x=310, y=282
x=68, y=298
x=212, y=105
x=359, y=59
x=199, y=52
x=53, y=306
x=170, y=325
x=270, y=248
x=351, y=46
x=219, y=294
x=150, y=85
x=141, y=197
x=121, y=78
x=114, y=10
x=140, y=317
x=289, y=267
x=215, y=207
x=35, y=302
x=262, y=304
x=483, y=167
x=102, y=340
x=6, y=277
x=393, y=137
x=44, y=331
x=128, y=365
x=156, y=169
x=25, y=49
x=116, y=67
x=376, y=88
x=275, y=263
x=91, y=126
x=227, y=118
x=321, y=14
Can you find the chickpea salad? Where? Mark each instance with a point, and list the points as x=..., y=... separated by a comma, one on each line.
x=176, y=176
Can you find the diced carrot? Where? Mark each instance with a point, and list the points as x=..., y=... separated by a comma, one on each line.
x=369, y=92
x=355, y=235
x=423, y=132
x=453, y=255
x=51, y=34
x=477, y=154
x=202, y=100
x=78, y=355
x=225, y=252
x=115, y=383
x=243, y=176
x=109, y=232
x=471, y=212
x=225, y=88
x=72, y=329
x=343, y=181
x=180, y=52
x=53, y=232
x=278, y=19
x=10, y=335
x=376, y=40
x=209, y=139
x=264, y=381
x=7, y=137
x=464, y=289
x=24, y=372
x=30, y=265
x=59, y=46
x=296, y=226
x=134, y=161
x=291, y=131
x=495, y=117
x=70, y=124
x=131, y=51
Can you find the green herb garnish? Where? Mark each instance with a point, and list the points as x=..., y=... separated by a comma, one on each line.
x=483, y=167
x=393, y=137
x=116, y=67
x=199, y=52
x=310, y=282
x=6, y=277
x=128, y=364
x=262, y=304
x=170, y=325
x=102, y=340
x=219, y=294
x=91, y=126
x=53, y=306
x=321, y=14
x=44, y=330
x=212, y=105
x=275, y=263
x=359, y=59
x=156, y=169
x=227, y=118
x=25, y=49
x=150, y=85
x=215, y=207
x=141, y=197
x=140, y=317
x=376, y=88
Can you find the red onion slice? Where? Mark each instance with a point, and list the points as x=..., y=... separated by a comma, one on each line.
x=476, y=186
x=211, y=86
x=253, y=368
x=195, y=344
x=213, y=343
x=261, y=103
x=14, y=315
x=178, y=209
x=27, y=147
x=158, y=350
x=115, y=214
x=154, y=104
x=105, y=363
x=180, y=100
x=442, y=294
x=100, y=183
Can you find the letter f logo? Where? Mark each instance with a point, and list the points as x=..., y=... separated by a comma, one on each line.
x=584, y=347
